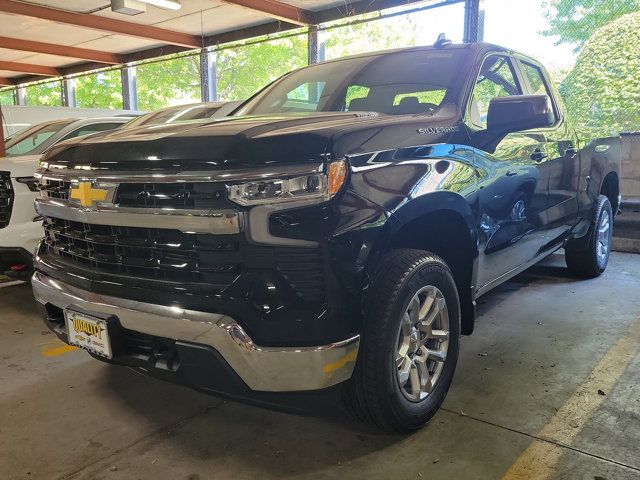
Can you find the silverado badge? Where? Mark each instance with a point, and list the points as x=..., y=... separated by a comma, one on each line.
x=86, y=194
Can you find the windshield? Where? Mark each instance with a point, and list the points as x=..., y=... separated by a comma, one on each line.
x=34, y=140
x=398, y=83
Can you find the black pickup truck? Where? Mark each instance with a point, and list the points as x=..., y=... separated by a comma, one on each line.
x=331, y=236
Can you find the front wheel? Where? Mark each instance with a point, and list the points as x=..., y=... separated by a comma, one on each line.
x=410, y=343
x=589, y=256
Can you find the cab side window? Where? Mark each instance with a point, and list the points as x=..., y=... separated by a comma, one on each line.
x=497, y=79
x=536, y=79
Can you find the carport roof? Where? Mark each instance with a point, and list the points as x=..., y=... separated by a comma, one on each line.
x=52, y=38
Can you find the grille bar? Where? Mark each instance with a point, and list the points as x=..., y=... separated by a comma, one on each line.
x=192, y=196
x=178, y=196
x=55, y=188
x=148, y=253
x=6, y=199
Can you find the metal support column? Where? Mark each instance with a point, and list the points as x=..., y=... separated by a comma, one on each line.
x=315, y=54
x=315, y=45
x=471, y=21
x=129, y=90
x=3, y=150
x=208, y=82
x=69, y=92
x=481, y=26
x=21, y=95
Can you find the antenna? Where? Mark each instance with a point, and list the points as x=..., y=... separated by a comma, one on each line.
x=442, y=41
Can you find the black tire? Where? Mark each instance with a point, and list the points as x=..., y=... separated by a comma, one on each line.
x=374, y=394
x=581, y=254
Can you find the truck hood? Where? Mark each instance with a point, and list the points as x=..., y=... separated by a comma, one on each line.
x=20, y=166
x=241, y=142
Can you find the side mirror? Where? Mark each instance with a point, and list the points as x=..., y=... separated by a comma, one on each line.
x=518, y=113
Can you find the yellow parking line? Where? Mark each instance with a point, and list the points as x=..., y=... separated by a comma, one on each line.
x=55, y=351
x=539, y=460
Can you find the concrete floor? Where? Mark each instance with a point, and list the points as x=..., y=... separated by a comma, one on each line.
x=544, y=345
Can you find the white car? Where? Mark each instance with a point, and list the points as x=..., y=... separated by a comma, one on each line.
x=20, y=227
x=16, y=118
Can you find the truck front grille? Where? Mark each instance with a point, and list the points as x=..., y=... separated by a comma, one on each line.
x=181, y=196
x=6, y=199
x=193, y=196
x=55, y=188
x=148, y=253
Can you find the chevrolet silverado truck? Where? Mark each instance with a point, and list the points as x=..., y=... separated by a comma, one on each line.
x=333, y=235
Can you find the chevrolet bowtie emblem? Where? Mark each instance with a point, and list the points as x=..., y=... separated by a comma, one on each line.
x=86, y=194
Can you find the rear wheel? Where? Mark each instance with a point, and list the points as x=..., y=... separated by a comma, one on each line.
x=409, y=346
x=588, y=256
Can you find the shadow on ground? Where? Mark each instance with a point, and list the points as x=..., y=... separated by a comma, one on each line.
x=232, y=432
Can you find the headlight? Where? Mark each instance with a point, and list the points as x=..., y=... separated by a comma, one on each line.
x=30, y=182
x=318, y=186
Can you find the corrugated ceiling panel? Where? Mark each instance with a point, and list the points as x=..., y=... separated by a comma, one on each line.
x=18, y=26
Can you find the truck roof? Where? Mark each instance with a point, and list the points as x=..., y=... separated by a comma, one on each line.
x=477, y=47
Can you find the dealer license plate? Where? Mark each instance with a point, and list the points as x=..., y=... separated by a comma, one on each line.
x=88, y=332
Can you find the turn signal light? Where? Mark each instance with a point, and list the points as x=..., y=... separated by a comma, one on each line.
x=337, y=176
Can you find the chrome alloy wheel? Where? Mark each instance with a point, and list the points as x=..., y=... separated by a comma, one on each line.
x=604, y=237
x=423, y=340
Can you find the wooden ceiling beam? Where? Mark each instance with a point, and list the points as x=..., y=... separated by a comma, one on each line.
x=60, y=50
x=278, y=10
x=30, y=68
x=104, y=24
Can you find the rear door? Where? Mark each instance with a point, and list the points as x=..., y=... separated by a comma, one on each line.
x=563, y=162
x=513, y=181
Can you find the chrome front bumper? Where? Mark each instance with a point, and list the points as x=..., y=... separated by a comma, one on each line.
x=265, y=369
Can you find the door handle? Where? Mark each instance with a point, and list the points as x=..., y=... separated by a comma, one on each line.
x=511, y=174
x=538, y=155
x=571, y=152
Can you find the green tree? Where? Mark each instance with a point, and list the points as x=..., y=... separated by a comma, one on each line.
x=172, y=81
x=6, y=97
x=574, y=21
x=99, y=90
x=371, y=36
x=603, y=90
x=46, y=94
x=245, y=69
